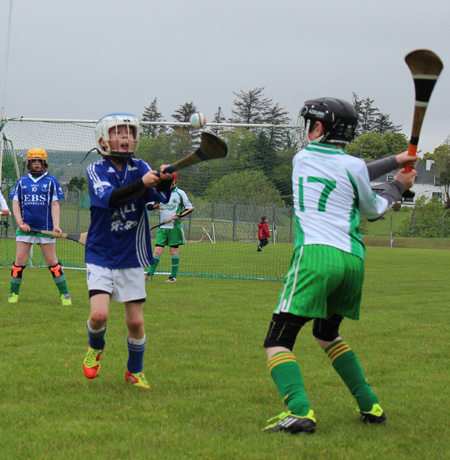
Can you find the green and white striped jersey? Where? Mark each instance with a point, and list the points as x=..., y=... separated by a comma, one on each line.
x=331, y=191
x=178, y=202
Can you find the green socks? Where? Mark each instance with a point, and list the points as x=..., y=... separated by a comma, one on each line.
x=287, y=376
x=347, y=366
x=61, y=284
x=59, y=278
x=152, y=269
x=175, y=264
x=16, y=278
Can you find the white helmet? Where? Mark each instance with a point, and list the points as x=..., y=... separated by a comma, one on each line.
x=114, y=120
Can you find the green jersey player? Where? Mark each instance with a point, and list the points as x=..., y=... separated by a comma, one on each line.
x=171, y=232
x=324, y=283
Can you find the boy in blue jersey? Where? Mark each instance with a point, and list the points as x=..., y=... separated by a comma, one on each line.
x=118, y=243
x=324, y=283
x=35, y=205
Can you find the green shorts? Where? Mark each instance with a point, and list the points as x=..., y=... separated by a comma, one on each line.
x=170, y=236
x=322, y=280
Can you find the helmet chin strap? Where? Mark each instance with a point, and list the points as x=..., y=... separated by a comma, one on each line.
x=95, y=149
x=306, y=136
x=320, y=138
x=36, y=173
x=121, y=157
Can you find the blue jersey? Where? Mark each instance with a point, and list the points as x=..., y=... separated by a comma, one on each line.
x=35, y=196
x=119, y=236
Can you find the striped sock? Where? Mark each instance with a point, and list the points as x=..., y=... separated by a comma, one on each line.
x=136, y=350
x=61, y=284
x=346, y=364
x=14, y=285
x=175, y=265
x=287, y=376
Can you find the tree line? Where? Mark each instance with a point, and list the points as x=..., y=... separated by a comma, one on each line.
x=268, y=151
x=253, y=107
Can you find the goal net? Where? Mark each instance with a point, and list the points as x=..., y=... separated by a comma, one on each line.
x=230, y=195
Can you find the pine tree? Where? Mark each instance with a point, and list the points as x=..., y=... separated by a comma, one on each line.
x=183, y=114
x=384, y=125
x=278, y=138
x=219, y=117
x=371, y=120
x=151, y=113
x=250, y=107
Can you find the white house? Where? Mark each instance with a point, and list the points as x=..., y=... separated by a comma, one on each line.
x=426, y=183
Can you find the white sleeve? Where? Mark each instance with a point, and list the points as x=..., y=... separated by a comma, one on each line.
x=3, y=203
x=186, y=202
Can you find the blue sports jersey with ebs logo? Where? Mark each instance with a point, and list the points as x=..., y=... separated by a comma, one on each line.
x=119, y=236
x=35, y=195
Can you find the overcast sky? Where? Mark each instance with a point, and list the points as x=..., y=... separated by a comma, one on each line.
x=83, y=59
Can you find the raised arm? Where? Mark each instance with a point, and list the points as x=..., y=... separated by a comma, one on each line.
x=379, y=167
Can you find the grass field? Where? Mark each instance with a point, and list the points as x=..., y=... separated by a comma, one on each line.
x=223, y=259
x=211, y=392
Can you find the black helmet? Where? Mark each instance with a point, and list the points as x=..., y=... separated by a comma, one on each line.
x=339, y=118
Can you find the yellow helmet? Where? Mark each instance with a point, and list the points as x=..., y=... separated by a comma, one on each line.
x=37, y=154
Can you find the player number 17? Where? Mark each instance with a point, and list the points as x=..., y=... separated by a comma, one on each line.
x=329, y=186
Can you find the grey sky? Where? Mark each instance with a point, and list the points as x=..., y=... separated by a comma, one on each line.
x=83, y=59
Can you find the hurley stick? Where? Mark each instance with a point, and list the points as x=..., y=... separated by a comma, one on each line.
x=425, y=67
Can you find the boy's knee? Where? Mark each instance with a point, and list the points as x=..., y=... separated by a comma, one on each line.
x=99, y=317
x=135, y=324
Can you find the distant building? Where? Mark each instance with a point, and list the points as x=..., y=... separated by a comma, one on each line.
x=426, y=183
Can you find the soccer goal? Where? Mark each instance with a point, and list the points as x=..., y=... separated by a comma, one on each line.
x=230, y=195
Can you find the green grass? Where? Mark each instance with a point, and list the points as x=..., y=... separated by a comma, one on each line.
x=382, y=227
x=236, y=259
x=211, y=393
x=223, y=259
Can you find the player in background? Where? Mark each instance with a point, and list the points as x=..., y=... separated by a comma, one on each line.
x=324, y=283
x=35, y=205
x=263, y=233
x=4, y=206
x=170, y=234
x=4, y=209
x=119, y=244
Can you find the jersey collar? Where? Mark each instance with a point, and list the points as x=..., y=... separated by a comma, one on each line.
x=326, y=148
x=35, y=179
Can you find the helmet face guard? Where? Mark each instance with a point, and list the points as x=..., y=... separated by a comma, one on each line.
x=37, y=154
x=338, y=117
x=107, y=126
